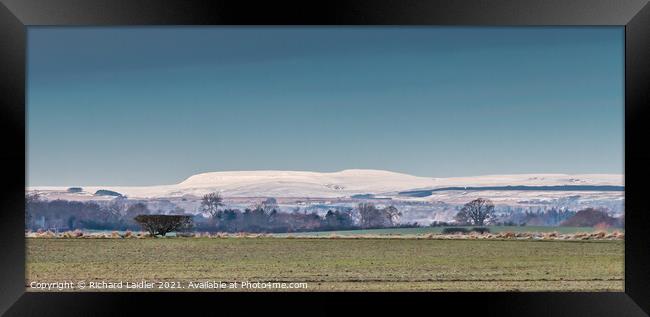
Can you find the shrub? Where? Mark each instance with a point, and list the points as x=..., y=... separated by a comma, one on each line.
x=162, y=224
x=454, y=230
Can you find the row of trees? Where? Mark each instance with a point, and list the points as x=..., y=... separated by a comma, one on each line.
x=70, y=215
x=265, y=217
x=481, y=212
x=548, y=217
x=120, y=214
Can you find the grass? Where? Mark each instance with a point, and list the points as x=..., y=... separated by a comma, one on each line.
x=426, y=230
x=336, y=264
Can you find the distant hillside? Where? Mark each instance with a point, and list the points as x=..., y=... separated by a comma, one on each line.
x=595, y=188
x=347, y=183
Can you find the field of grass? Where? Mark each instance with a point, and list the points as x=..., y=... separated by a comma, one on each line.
x=434, y=230
x=334, y=264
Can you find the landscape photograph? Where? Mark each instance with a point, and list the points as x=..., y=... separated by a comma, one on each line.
x=238, y=159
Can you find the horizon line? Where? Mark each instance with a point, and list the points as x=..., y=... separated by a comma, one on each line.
x=333, y=172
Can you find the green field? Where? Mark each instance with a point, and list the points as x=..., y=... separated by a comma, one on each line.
x=335, y=264
x=426, y=230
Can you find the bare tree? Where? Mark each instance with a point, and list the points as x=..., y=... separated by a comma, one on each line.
x=367, y=214
x=269, y=204
x=372, y=217
x=210, y=204
x=392, y=214
x=476, y=212
x=162, y=224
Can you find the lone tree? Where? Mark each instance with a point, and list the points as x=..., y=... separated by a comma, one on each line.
x=476, y=212
x=392, y=214
x=269, y=204
x=162, y=224
x=210, y=204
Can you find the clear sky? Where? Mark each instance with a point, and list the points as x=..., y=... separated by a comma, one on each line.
x=154, y=105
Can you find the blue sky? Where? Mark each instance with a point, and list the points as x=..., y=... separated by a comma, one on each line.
x=154, y=105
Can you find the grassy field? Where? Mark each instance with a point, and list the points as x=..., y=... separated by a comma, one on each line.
x=334, y=264
x=426, y=230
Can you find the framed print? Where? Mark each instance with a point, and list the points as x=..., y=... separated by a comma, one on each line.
x=383, y=156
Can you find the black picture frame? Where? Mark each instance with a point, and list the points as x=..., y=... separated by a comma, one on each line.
x=17, y=15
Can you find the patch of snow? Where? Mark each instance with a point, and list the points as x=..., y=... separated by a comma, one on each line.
x=327, y=185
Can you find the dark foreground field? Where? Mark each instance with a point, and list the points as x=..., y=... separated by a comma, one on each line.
x=331, y=264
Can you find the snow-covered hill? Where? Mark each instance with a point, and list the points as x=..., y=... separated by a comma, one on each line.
x=324, y=185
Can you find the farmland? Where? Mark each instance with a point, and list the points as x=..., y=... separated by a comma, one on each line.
x=334, y=264
x=437, y=230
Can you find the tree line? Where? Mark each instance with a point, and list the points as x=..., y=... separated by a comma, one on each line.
x=69, y=215
x=481, y=212
x=120, y=214
x=265, y=217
